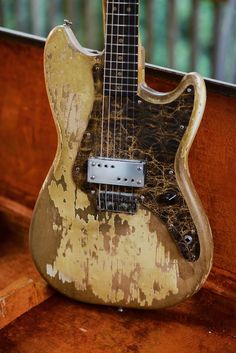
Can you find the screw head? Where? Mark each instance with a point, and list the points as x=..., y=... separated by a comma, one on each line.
x=171, y=172
x=92, y=177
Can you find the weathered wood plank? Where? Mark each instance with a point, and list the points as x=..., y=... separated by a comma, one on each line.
x=21, y=296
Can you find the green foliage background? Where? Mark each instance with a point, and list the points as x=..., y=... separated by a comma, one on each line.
x=43, y=21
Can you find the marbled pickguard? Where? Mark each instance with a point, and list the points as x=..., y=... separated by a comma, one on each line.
x=130, y=128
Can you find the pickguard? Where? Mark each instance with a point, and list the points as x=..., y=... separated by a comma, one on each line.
x=135, y=129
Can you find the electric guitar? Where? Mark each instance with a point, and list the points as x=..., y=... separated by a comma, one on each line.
x=118, y=221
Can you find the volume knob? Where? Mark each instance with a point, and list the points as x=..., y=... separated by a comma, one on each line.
x=169, y=197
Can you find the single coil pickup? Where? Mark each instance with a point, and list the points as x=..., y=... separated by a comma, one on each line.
x=117, y=202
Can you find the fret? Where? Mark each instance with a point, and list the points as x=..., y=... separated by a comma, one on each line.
x=121, y=70
x=122, y=21
x=119, y=14
x=124, y=92
x=120, y=77
x=121, y=57
x=122, y=30
x=121, y=25
x=124, y=35
x=123, y=2
x=122, y=40
x=119, y=86
x=114, y=65
x=119, y=50
x=121, y=81
x=123, y=45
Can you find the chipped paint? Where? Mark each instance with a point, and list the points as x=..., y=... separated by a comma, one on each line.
x=103, y=258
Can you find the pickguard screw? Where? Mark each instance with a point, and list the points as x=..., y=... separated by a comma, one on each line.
x=189, y=90
x=193, y=231
x=120, y=310
x=93, y=164
x=77, y=169
x=140, y=169
x=139, y=101
x=142, y=198
x=139, y=182
x=93, y=192
x=88, y=134
x=93, y=177
x=171, y=172
x=182, y=127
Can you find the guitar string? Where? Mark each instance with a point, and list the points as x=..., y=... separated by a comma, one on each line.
x=117, y=10
x=103, y=98
x=131, y=97
x=135, y=50
x=110, y=91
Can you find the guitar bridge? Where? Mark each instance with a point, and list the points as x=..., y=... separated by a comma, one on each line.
x=117, y=202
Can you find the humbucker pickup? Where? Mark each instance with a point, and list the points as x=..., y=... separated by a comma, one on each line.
x=117, y=172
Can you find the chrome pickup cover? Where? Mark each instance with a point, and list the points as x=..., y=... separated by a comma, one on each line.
x=120, y=172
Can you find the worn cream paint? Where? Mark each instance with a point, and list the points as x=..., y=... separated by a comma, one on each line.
x=142, y=247
x=140, y=268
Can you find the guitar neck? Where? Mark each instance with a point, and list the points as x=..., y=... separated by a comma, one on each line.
x=121, y=46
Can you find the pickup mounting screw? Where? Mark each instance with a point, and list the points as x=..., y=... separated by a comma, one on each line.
x=93, y=177
x=139, y=182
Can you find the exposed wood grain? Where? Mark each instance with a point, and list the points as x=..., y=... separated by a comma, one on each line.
x=21, y=296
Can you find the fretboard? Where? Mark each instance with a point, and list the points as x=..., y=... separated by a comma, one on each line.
x=121, y=47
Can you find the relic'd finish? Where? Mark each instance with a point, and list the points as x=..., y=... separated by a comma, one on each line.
x=118, y=221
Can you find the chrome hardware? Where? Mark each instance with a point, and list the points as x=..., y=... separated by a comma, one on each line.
x=119, y=172
x=67, y=23
x=117, y=202
x=188, y=239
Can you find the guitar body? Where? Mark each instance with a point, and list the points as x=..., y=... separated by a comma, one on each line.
x=160, y=254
